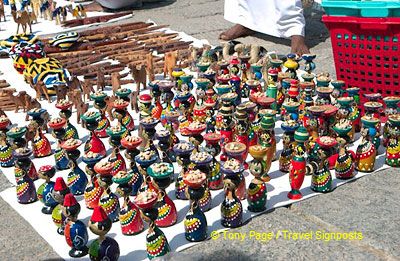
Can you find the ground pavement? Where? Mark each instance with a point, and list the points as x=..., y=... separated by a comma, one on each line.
x=368, y=205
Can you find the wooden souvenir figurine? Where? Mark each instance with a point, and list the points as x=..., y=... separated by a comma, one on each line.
x=366, y=150
x=195, y=129
x=148, y=125
x=215, y=181
x=129, y=215
x=226, y=125
x=116, y=133
x=59, y=192
x=297, y=172
x=23, y=19
x=108, y=200
x=201, y=161
x=257, y=191
x=292, y=65
x=164, y=145
x=75, y=231
x=93, y=191
x=241, y=131
x=36, y=7
x=393, y=145
x=267, y=136
x=93, y=144
x=195, y=221
x=6, y=157
x=231, y=207
x=287, y=152
x=161, y=175
x=100, y=105
x=355, y=113
x=45, y=190
x=131, y=143
x=344, y=166
x=183, y=151
x=321, y=180
x=103, y=247
x=235, y=151
x=121, y=113
x=70, y=130
x=40, y=143
x=77, y=179
x=26, y=190
x=57, y=124
x=19, y=144
x=156, y=242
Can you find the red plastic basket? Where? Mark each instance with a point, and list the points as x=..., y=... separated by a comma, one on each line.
x=366, y=52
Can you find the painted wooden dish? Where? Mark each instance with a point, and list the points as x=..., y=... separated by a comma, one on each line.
x=104, y=168
x=235, y=148
x=146, y=199
x=183, y=148
x=122, y=177
x=64, y=105
x=160, y=170
x=326, y=142
x=258, y=151
x=57, y=123
x=16, y=132
x=71, y=144
x=115, y=133
x=201, y=158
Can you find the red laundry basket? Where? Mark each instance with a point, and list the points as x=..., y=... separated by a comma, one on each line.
x=366, y=52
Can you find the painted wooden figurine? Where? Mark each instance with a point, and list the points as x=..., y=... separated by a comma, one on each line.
x=287, y=153
x=26, y=191
x=116, y=133
x=93, y=191
x=156, y=242
x=195, y=221
x=93, y=144
x=101, y=105
x=231, y=207
x=344, y=166
x=6, y=157
x=257, y=191
x=129, y=215
x=59, y=192
x=215, y=181
x=65, y=107
x=60, y=156
x=45, y=190
x=366, y=151
x=75, y=231
x=77, y=179
x=40, y=143
x=321, y=180
x=103, y=247
x=161, y=175
x=393, y=146
x=108, y=200
x=131, y=143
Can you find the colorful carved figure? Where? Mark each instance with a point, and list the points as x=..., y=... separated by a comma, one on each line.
x=215, y=180
x=26, y=190
x=129, y=215
x=344, y=166
x=287, y=153
x=59, y=192
x=393, y=145
x=93, y=191
x=257, y=191
x=231, y=207
x=70, y=130
x=77, y=179
x=6, y=157
x=45, y=190
x=131, y=143
x=60, y=156
x=93, y=144
x=161, y=175
x=101, y=105
x=195, y=221
x=103, y=247
x=116, y=133
x=201, y=161
x=321, y=180
x=40, y=143
x=75, y=231
x=156, y=242
x=366, y=150
x=182, y=151
x=108, y=200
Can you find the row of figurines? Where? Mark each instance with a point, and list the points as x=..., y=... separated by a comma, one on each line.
x=344, y=166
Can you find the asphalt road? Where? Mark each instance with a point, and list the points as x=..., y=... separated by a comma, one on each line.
x=368, y=206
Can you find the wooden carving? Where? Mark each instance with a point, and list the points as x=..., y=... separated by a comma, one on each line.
x=32, y=103
x=81, y=108
x=41, y=90
x=19, y=100
x=110, y=100
x=139, y=75
x=22, y=19
x=150, y=66
x=87, y=89
x=61, y=92
x=115, y=81
x=170, y=62
x=101, y=84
